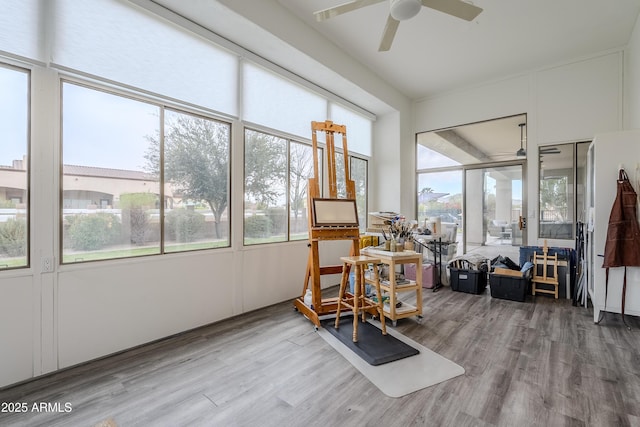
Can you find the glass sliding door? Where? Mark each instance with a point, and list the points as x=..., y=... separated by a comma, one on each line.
x=440, y=196
x=493, y=210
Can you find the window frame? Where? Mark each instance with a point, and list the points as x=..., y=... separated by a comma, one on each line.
x=28, y=169
x=161, y=107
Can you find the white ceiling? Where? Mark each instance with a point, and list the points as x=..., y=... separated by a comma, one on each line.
x=434, y=52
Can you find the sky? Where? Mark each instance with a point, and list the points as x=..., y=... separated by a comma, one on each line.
x=99, y=129
x=13, y=115
x=451, y=182
x=104, y=130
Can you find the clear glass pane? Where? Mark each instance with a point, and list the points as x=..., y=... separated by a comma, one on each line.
x=494, y=207
x=428, y=158
x=359, y=176
x=300, y=170
x=440, y=201
x=196, y=172
x=483, y=142
x=581, y=180
x=341, y=181
x=556, y=191
x=440, y=195
x=14, y=168
x=265, y=188
x=111, y=206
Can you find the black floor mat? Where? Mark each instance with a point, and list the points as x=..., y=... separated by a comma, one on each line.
x=373, y=347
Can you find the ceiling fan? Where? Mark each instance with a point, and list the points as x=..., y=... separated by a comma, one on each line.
x=401, y=10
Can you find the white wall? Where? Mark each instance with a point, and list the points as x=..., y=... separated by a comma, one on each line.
x=567, y=102
x=632, y=80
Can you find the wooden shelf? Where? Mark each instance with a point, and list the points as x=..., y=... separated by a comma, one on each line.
x=405, y=308
x=391, y=287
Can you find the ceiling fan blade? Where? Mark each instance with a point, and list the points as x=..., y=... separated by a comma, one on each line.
x=325, y=14
x=389, y=33
x=457, y=8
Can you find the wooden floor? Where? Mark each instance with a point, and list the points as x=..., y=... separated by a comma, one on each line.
x=527, y=364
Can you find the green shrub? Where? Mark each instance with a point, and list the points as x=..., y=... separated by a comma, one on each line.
x=257, y=226
x=92, y=232
x=7, y=204
x=278, y=220
x=13, y=237
x=183, y=225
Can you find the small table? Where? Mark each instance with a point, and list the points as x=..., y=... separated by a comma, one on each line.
x=392, y=287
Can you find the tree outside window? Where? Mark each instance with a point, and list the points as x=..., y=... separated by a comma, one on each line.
x=196, y=172
x=277, y=172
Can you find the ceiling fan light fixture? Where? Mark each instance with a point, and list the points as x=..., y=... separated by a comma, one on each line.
x=402, y=10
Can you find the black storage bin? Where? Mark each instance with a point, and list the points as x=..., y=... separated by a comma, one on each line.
x=469, y=281
x=508, y=287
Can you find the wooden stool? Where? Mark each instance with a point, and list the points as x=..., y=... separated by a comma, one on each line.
x=359, y=302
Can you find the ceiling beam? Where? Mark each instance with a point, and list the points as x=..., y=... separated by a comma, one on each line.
x=452, y=137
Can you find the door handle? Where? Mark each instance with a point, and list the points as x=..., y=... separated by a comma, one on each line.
x=522, y=222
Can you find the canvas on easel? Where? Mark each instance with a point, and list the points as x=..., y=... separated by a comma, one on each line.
x=334, y=213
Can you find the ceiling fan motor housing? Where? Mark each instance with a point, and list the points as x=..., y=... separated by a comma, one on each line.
x=404, y=9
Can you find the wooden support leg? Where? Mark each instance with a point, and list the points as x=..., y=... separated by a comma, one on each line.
x=343, y=285
x=376, y=279
x=363, y=291
x=356, y=300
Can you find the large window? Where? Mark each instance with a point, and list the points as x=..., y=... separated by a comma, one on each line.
x=134, y=184
x=274, y=168
x=14, y=168
x=144, y=161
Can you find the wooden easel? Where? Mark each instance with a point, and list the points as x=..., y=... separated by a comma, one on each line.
x=543, y=276
x=317, y=234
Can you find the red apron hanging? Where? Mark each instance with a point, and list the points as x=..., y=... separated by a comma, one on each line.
x=622, y=248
